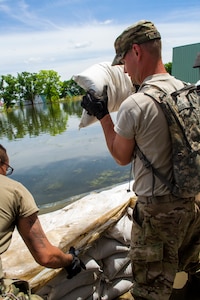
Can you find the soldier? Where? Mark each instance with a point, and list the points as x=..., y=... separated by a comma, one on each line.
x=19, y=209
x=165, y=232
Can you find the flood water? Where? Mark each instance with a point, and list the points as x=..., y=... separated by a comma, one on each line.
x=55, y=160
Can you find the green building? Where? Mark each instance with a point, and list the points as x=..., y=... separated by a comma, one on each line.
x=186, y=62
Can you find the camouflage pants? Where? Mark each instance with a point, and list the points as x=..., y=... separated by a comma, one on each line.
x=165, y=239
x=14, y=289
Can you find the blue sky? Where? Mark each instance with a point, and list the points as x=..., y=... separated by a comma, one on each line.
x=69, y=36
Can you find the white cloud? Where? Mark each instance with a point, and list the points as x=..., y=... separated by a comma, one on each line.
x=178, y=34
x=73, y=49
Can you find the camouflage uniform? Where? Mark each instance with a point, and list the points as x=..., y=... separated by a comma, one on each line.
x=165, y=239
x=14, y=289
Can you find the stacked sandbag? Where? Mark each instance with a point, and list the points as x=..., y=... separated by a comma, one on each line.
x=119, y=86
x=116, y=265
x=80, y=287
x=108, y=269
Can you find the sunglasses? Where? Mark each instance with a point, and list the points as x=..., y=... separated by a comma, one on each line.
x=9, y=169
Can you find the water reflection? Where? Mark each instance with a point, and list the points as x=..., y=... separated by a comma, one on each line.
x=34, y=120
x=52, y=157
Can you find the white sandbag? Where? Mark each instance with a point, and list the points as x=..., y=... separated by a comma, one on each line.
x=105, y=247
x=95, y=296
x=114, y=264
x=119, y=86
x=121, y=231
x=81, y=293
x=57, y=287
x=126, y=271
x=116, y=288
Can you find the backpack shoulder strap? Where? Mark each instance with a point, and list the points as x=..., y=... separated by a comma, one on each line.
x=187, y=87
x=154, y=171
x=154, y=92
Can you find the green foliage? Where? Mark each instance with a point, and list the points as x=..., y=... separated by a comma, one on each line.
x=168, y=67
x=71, y=88
x=48, y=83
x=9, y=90
x=27, y=85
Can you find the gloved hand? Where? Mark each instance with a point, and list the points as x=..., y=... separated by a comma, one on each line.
x=94, y=106
x=75, y=267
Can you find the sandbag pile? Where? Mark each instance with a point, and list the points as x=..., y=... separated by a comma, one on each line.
x=108, y=269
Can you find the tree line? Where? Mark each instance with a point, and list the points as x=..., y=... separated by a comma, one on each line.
x=25, y=86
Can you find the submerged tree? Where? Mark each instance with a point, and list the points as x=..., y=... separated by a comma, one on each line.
x=71, y=88
x=27, y=86
x=48, y=83
x=9, y=90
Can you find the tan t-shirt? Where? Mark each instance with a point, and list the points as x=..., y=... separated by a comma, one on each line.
x=141, y=118
x=15, y=201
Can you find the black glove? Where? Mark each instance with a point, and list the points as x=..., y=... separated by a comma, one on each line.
x=76, y=265
x=94, y=106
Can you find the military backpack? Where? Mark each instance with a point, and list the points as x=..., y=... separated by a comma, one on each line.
x=182, y=111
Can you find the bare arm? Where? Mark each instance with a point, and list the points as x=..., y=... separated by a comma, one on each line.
x=42, y=250
x=120, y=148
